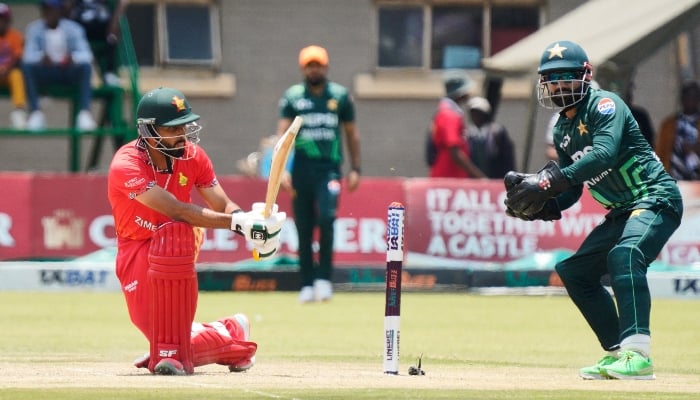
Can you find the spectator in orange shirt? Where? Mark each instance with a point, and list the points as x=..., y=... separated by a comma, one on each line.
x=11, y=45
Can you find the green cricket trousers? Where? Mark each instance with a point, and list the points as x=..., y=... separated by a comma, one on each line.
x=315, y=203
x=623, y=246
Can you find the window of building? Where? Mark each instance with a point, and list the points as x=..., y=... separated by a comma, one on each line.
x=175, y=33
x=433, y=34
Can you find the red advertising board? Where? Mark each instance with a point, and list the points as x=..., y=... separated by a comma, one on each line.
x=15, y=216
x=455, y=222
x=448, y=222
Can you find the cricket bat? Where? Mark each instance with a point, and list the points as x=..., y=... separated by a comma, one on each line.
x=280, y=154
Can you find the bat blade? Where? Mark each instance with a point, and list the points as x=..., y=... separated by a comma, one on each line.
x=280, y=155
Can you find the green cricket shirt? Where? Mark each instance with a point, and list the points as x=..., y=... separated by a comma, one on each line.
x=603, y=148
x=319, y=138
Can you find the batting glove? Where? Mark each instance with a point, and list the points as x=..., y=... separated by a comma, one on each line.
x=263, y=233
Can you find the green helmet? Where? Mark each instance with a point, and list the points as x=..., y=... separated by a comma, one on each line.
x=565, y=75
x=563, y=55
x=164, y=107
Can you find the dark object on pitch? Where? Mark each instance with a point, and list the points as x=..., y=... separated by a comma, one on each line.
x=416, y=370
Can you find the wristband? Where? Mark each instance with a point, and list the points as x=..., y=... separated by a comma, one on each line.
x=356, y=169
x=236, y=228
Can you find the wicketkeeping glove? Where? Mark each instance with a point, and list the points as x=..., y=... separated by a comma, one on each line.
x=530, y=195
x=549, y=212
x=263, y=233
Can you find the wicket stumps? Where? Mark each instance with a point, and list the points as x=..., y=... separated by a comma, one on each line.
x=392, y=306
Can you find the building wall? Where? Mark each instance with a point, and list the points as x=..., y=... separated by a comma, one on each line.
x=261, y=40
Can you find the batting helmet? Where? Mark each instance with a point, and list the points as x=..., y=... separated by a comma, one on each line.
x=563, y=65
x=167, y=107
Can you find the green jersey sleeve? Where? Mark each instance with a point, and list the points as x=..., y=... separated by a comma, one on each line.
x=602, y=147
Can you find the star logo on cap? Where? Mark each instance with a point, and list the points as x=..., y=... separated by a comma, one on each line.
x=178, y=103
x=556, y=50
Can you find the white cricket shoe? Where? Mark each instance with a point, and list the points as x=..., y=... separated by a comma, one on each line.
x=36, y=121
x=18, y=119
x=323, y=289
x=244, y=323
x=85, y=122
x=306, y=295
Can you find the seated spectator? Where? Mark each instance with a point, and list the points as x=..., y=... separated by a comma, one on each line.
x=57, y=52
x=490, y=145
x=11, y=43
x=100, y=19
x=678, y=146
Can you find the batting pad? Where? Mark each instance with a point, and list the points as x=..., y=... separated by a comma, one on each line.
x=172, y=280
x=219, y=343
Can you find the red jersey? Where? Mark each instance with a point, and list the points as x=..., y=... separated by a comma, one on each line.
x=448, y=131
x=131, y=174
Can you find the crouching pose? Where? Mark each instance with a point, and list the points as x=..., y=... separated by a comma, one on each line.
x=159, y=233
x=599, y=143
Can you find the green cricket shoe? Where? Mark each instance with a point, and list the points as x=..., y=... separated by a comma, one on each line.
x=632, y=366
x=596, y=371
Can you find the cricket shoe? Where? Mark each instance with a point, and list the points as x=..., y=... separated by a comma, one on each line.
x=323, y=289
x=142, y=362
x=595, y=372
x=244, y=323
x=306, y=295
x=631, y=366
x=169, y=366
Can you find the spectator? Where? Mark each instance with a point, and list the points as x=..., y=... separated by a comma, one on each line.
x=491, y=147
x=449, y=134
x=100, y=19
x=328, y=110
x=640, y=114
x=57, y=52
x=678, y=146
x=11, y=43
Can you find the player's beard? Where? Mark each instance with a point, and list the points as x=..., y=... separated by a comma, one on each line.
x=567, y=98
x=316, y=81
x=176, y=151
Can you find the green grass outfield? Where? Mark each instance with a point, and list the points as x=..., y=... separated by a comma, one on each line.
x=81, y=345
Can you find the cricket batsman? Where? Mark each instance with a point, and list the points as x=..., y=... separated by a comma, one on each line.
x=159, y=233
x=599, y=144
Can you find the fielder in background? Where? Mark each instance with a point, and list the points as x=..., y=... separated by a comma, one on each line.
x=599, y=143
x=327, y=109
x=159, y=233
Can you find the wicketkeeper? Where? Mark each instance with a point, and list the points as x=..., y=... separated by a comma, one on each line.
x=159, y=233
x=599, y=143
